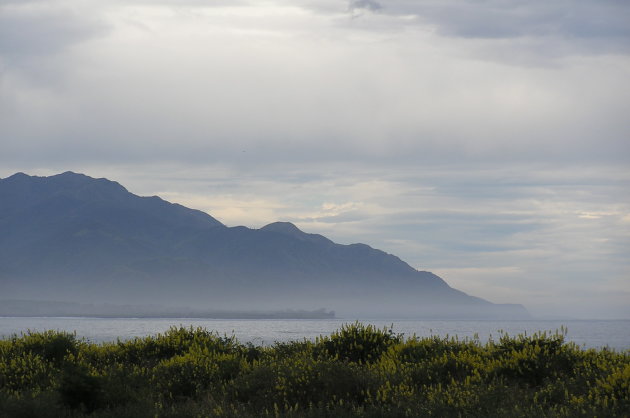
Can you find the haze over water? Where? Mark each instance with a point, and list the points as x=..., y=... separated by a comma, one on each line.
x=486, y=142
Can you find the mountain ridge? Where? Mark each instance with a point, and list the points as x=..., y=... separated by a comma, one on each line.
x=92, y=240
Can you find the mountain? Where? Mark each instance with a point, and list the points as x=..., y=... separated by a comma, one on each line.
x=73, y=238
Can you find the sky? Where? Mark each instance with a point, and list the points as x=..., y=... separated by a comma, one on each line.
x=485, y=141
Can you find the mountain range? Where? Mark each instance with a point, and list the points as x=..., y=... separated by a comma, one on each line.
x=74, y=238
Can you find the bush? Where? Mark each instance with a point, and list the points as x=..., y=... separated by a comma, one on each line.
x=79, y=389
x=25, y=372
x=51, y=346
x=357, y=343
x=358, y=371
x=535, y=359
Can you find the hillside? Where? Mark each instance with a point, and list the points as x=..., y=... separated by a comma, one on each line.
x=73, y=238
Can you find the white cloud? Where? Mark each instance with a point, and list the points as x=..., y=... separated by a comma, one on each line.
x=463, y=137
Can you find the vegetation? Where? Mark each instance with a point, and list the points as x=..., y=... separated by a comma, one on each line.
x=358, y=371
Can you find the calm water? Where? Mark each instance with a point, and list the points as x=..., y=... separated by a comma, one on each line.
x=588, y=334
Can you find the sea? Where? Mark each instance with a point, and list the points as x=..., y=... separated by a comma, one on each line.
x=613, y=334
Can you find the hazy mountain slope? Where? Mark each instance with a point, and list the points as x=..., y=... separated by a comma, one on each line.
x=72, y=224
x=74, y=238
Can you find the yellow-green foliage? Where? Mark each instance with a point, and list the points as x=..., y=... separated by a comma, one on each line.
x=358, y=371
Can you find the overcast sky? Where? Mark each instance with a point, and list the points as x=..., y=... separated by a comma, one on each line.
x=486, y=141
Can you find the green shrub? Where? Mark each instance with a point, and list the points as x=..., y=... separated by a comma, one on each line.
x=358, y=371
x=535, y=359
x=51, y=346
x=357, y=343
x=182, y=377
x=30, y=405
x=79, y=389
x=25, y=372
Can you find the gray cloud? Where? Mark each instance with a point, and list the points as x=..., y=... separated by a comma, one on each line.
x=415, y=129
x=537, y=31
x=46, y=34
x=365, y=4
x=508, y=19
x=547, y=29
x=33, y=33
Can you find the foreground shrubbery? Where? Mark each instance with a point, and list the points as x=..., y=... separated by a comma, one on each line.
x=358, y=371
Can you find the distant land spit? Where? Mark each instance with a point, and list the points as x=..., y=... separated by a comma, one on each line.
x=37, y=308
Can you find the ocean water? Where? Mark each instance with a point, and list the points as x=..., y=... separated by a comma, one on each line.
x=614, y=334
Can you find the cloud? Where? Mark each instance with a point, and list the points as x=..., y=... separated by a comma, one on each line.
x=506, y=19
x=48, y=33
x=34, y=34
x=365, y=4
x=459, y=135
x=254, y=84
x=533, y=33
x=588, y=26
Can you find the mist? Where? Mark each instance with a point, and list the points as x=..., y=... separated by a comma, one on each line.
x=484, y=143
